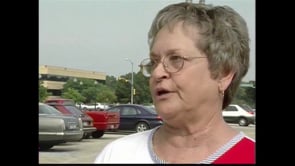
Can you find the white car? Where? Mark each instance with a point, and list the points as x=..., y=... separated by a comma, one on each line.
x=240, y=114
x=91, y=106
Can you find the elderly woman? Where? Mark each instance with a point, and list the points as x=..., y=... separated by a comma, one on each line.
x=198, y=55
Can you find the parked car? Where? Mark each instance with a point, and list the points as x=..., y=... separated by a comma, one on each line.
x=103, y=121
x=67, y=107
x=56, y=128
x=240, y=114
x=94, y=106
x=136, y=117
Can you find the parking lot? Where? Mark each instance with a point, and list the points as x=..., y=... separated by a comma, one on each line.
x=86, y=150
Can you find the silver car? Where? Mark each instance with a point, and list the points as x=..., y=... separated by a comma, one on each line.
x=241, y=114
x=56, y=128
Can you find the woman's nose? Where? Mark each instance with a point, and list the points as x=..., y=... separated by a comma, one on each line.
x=159, y=71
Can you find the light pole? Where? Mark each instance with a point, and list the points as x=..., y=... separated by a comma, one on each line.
x=127, y=59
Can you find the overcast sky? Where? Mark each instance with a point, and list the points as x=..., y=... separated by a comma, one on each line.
x=98, y=35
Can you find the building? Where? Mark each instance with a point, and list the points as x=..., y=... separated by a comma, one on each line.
x=54, y=77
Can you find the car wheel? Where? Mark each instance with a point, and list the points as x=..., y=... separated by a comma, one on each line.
x=86, y=136
x=141, y=126
x=243, y=122
x=45, y=146
x=97, y=134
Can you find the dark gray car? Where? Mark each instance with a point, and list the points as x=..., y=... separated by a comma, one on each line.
x=56, y=128
x=136, y=117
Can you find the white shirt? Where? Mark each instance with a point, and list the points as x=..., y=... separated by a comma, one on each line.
x=138, y=148
x=133, y=148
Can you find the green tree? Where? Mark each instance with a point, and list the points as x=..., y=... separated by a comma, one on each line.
x=85, y=87
x=251, y=94
x=111, y=82
x=141, y=84
x=122, y=90
x=240, y=96
x=74, y=84
x=43, y=94
x=90, y=93
x=114, y=90
x=105, y=94
x=73, y=94
x=245, y=95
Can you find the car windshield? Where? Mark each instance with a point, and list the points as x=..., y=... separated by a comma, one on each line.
x=151, y=109
x=46, y=109
x=247, y=107
x=74, y=110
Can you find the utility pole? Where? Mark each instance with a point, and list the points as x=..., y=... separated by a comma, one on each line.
x=127, y=59
x=202, y=2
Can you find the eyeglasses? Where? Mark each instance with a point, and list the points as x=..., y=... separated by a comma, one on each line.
x=171, y=63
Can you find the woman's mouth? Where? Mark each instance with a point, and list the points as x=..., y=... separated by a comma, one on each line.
x=162, y=94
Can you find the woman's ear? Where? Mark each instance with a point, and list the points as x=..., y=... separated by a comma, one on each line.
x=225, y=80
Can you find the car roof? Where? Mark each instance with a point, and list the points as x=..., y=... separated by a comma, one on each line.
x=128, y=105
x=60, y=101
x=40, y=103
